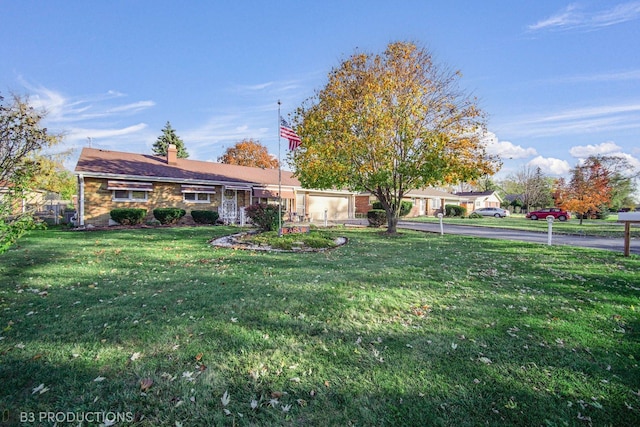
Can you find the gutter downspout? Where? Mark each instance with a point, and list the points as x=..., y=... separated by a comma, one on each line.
x=81, y=200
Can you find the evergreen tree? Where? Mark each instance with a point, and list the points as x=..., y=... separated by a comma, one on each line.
x=169, y=137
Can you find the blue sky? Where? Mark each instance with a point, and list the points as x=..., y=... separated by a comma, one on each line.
x=558, y=80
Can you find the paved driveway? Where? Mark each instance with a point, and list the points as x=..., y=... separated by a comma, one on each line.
x=610, y=244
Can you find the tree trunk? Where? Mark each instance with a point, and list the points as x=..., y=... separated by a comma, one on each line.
x=392, y=222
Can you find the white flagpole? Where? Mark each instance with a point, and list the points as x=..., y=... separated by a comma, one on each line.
x=279, y=178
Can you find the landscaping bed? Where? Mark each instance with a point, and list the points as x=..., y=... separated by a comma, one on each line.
x=311, y=241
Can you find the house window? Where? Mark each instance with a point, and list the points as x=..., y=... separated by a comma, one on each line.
x=435, y=203
x=129, y=196
x=129, y=191
x=197, y=193
x=197, y=197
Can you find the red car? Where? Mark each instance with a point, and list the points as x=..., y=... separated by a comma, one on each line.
x=557, y=213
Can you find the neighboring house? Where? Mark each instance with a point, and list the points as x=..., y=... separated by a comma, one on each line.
x=479, y=199
x=32, y=200
x=112, y=179
x=427, y=201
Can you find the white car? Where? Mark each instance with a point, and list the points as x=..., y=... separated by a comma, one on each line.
x=496, y=212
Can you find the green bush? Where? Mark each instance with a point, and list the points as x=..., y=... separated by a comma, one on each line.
x=603, y=213
x=205, y=217
x=264, y=216
x=454, y=210
x=128, y=216
x=168, y=215
x=405, y=207
x=475, y=215
x=377, y=217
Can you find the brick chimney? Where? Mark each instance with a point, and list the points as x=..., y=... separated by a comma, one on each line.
x=172, y=155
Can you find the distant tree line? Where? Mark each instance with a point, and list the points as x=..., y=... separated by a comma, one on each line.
x=596, y=186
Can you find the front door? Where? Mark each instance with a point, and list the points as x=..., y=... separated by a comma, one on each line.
x=229, y=206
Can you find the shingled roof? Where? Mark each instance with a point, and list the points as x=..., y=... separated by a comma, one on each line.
x=105, y=163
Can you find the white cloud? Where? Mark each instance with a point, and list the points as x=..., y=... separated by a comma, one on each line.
x=634, y=162
x=584, y=151
x=567, y=17
x=506, y=149
x=614, y=76
x=62, y=110
x=581, y=113
x=80, y=134
x=608, y=148
x=223, y=130
x=572, y=17
x=256, y=87
x=135, y=107
x=576, y=121
x=550, y=165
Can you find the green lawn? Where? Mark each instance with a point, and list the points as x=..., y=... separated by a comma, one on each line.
x=158, y=326
x=599, y=228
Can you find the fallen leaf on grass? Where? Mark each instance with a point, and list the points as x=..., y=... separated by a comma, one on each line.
x=199, y=356
x=135, y=356
x=40, y=389
x=145, y=384
x=98, y=379
x=225, y=399
x=485, y=360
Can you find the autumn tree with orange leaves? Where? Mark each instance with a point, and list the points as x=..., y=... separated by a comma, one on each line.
x=390, y=123
x=587, y=191
x=249, y=152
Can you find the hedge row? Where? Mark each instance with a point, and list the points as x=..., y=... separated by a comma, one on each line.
x=135, y=216
x=205, y=217
x=168, y=215
x=455, y=210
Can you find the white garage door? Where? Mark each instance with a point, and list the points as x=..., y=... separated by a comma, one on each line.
x=337, y=207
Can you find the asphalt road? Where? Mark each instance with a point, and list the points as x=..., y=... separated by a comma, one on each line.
x=609, y=244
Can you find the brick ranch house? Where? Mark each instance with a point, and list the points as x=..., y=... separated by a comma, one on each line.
x=112, y=179
x=427, y=201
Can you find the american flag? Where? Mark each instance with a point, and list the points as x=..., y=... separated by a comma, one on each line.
x=290, y=134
